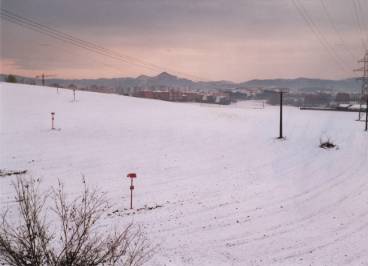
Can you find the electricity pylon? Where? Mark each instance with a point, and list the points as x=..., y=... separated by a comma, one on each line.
x=43, y=76
x=364, y=79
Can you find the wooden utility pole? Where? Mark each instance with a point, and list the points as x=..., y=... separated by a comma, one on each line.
x=282, y=92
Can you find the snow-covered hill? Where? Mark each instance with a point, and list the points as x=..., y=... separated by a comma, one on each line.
x=231, y=194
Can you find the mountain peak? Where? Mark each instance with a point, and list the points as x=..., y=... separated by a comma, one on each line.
x=165, y=75
x=143, y=77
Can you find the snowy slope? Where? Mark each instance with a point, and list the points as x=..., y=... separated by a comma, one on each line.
x=231, y=194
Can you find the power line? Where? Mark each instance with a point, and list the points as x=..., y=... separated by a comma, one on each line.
x=61, y=36
x=70, y=37
x=363, y=19
x=314, y=28
x=80, y=43
x=357, y=19
x=321, y=36
x=333, y=25
x=91, y=59
x=70, y=41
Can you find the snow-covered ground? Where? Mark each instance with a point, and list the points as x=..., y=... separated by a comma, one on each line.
x=231, y=194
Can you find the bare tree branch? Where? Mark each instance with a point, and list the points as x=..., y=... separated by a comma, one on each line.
x=80, y=241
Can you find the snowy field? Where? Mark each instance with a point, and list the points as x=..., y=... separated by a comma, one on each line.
x=231, y=194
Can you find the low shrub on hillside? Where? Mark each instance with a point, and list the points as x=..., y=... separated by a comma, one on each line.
x=327, y=144
x=79, y=241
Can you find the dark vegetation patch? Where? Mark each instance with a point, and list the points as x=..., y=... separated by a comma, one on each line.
x=328, y=144
x=4, y=172
x=128, y=212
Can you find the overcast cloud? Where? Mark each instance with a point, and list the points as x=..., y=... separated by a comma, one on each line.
x=214, y=39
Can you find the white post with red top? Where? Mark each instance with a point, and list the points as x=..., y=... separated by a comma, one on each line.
x=52, y=120
x=131, y=176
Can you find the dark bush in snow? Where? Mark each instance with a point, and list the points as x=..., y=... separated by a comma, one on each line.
x=11, y=78
x=328, y=144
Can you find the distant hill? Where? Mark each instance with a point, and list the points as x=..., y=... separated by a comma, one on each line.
x=167, y=80
x=305, y=83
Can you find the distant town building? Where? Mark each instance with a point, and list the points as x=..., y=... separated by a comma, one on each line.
x=342, y=97
x=175, y=95
x=318, y=99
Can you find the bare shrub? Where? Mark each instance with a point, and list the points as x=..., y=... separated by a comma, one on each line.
x=327, y=144
x=79, y=241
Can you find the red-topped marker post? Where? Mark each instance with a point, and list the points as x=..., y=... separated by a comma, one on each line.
x=52, y=120
x=131, y=176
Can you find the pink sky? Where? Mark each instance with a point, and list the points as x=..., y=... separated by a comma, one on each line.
x=214, y=40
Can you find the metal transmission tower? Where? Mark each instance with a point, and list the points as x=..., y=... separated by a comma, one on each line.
x=364, y=79
x=43, y=76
